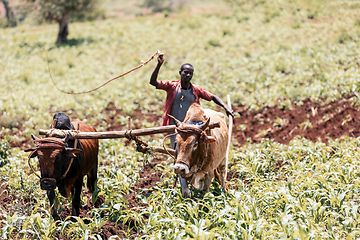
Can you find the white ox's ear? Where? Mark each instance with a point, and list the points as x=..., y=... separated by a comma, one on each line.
x=210, y=139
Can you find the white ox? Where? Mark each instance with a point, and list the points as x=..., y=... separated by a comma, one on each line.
x=200, y=153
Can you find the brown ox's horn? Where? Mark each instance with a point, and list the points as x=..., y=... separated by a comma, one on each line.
x=33, y=137
x=30, y=150
x=205, y=124
x=67, y=137
x=54, y=123
x=177, y=122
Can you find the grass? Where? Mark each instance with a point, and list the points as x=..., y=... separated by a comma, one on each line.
x=315, y=191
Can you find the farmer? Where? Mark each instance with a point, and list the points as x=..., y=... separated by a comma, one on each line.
x=181, y=94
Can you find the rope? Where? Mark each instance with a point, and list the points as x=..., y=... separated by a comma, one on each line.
x=141, y=146
x=30, y=164
x=74, y=156
x=49, y=142
x=108, y=81
x=202, y=134
x=46, y=143
x=167, y=136
x=71, y=161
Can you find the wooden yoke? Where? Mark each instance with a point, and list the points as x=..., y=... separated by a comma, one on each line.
x=112, y=134
x=75, y=134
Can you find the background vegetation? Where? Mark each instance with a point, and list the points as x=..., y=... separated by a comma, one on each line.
x=260, y=52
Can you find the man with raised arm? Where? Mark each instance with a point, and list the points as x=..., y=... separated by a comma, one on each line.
x=181, y=94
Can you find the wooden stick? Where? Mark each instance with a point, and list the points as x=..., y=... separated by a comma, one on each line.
x=76, y=140
x=111, y=134
x=162, y=150
x=129, y=123
x=230, y=126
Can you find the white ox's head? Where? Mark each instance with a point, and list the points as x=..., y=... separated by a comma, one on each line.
x=190, y=149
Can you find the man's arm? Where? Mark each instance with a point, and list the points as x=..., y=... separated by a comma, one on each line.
x=219, y=102
x=154, y=75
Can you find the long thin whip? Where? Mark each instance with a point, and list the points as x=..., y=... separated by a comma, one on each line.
x=108, y=81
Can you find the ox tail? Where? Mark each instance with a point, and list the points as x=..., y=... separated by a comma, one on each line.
x=218, y=178
x=217, y=175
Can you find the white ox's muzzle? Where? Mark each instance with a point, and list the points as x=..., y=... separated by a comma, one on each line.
x=181, y=168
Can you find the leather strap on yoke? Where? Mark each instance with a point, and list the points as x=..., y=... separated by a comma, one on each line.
x=49, y=143
x=202, y=133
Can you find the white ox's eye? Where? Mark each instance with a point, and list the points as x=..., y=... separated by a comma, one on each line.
x=195, y=144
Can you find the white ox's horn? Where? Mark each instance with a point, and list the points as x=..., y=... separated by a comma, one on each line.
x=205, y=124
x=177, y=122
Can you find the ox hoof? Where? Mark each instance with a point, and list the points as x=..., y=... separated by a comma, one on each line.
x=186, y=194
x=56, y=218
x=73, y=219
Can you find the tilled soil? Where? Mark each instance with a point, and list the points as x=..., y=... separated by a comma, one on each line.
x=310, y=120
x=313, y=121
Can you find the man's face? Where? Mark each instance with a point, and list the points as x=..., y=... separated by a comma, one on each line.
x=186, y=73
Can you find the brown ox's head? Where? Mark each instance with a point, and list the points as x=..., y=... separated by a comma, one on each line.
x=190, y=149
x=54, y=159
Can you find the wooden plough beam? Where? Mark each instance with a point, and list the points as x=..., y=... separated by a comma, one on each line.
x=74, y=134
x=111, y=134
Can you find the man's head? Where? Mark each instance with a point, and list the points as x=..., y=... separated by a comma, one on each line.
x=186, y=72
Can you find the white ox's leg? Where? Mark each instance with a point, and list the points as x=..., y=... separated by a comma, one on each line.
x=184, y=188
x=198, y=181
x=207, y=180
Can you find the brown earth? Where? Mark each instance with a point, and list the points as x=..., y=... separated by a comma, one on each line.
x=314, y=121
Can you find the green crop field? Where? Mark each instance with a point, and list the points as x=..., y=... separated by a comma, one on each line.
x=261, y=53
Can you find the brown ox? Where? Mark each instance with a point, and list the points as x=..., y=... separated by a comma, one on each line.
x=64, y=165
x=200, y=152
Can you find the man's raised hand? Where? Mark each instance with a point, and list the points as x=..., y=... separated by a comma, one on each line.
x=161, y=58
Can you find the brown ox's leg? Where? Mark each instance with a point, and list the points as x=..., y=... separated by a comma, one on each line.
x=75, y=211
x=91, y=178
x=91, y=182
x=51, y=196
